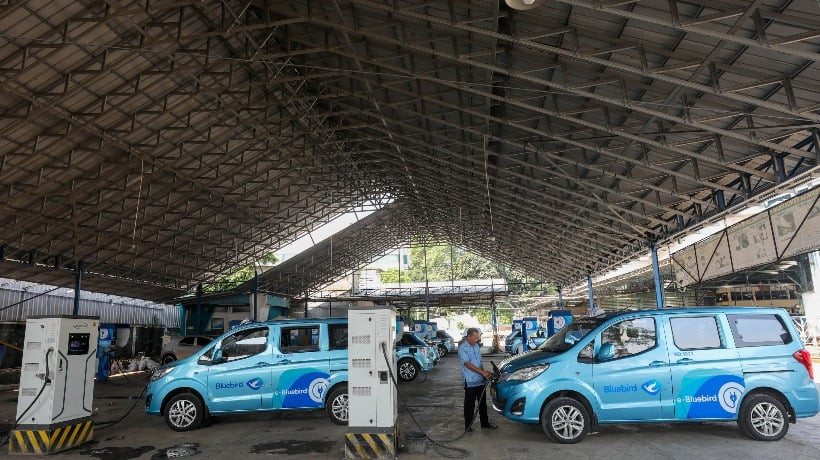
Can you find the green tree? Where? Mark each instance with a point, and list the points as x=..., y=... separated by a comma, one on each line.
x=238, y=277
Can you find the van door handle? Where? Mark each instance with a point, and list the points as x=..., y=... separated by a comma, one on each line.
x=262, y=364
x=657, y=363
x=284, y=361
x=685, y=361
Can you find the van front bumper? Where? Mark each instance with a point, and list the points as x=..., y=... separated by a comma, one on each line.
x=514, y=400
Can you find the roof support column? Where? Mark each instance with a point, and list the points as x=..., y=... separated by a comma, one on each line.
x=426, y=286
x=656, y=272
x=197, y=312
x=591, y=294
x=78, y=280
x=255, y=294
x=560, y=299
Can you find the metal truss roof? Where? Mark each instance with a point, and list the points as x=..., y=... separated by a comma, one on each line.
x=164, y=143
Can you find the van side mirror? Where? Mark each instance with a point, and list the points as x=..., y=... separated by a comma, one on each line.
x=606, y=352
x=217, y=356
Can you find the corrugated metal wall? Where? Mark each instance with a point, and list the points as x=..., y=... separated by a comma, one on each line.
x=110, y=308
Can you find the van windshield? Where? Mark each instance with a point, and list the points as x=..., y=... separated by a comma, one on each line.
x=564, y=339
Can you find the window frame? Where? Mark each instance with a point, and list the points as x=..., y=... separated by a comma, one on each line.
x=600, y=337
x=300, y=348
x=247, y=332
x=721, y=338
x=330, y=336
x=741, y=343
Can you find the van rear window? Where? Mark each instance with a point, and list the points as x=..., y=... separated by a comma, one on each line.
x=759, y=330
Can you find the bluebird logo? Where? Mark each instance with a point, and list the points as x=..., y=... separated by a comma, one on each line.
x=729, y=396
x=255, y=384
x=651, y=387
x=317, y=389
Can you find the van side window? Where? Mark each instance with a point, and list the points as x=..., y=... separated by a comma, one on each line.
x=695, y=333
x=338, y=336
x=299, y=339
x=631, y=337
x=244, y=343
x=758, y=330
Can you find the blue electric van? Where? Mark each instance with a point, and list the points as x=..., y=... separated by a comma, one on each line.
x=273, y=365
x=671, y=365
x=413, y=356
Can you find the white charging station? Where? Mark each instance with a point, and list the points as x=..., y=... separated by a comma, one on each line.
x=54, y=405
x=373, y=412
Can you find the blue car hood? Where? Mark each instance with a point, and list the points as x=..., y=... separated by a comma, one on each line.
x=527, y=359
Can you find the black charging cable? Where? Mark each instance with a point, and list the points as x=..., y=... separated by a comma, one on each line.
x=462, y=453
x=46, y=381
x=109, y=424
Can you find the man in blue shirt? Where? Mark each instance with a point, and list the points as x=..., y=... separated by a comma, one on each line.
x=473, y=376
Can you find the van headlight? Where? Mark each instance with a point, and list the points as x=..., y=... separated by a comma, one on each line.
x=525, y=373
x=159, y=373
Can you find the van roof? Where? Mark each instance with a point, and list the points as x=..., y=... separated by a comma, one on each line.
x=687, y=310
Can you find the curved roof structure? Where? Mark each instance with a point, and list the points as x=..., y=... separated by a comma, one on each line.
x=165, y=143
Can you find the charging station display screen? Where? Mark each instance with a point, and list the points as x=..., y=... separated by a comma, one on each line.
x=78, y=344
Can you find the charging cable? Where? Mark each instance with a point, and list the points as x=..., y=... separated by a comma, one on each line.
x=462, y=453
x=46, y=381
x=109, y=424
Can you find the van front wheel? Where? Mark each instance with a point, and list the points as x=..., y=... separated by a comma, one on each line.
x=763, y=418
x=337, y=406
x=185, y=412
x=408, y=370
x=565, y=420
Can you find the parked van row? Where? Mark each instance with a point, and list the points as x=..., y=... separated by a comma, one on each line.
x=678, y=365
x=274, y=365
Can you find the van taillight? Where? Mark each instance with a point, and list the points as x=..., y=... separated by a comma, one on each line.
x=804, y=357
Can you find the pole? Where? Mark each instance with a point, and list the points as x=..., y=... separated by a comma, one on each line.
x=426, y=285
x=560, y=299
x=78, y=280
x=656, y=272
x=198, y=306
x=591, y=294
x=255, y=294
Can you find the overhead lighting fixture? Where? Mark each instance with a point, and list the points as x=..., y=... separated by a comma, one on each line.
x=524, y=5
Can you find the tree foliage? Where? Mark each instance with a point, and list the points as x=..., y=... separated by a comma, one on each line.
x=238, y=277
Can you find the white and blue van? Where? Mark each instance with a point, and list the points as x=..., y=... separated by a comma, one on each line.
x=273, y=365
x=413, y=356
x=670, y=365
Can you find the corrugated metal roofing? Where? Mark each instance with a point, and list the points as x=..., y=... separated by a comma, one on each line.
x=165, y=144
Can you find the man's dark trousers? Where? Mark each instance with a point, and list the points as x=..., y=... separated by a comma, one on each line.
x=470, y=395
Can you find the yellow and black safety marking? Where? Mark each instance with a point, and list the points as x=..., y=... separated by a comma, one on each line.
x=35, y=442
x=370, y=446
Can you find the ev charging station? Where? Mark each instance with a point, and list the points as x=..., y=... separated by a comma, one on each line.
x=557, y=320
x=372, y=404
x=420, y=327
x=528, y=325
x=54, y=406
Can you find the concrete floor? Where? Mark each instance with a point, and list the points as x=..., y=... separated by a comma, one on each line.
x=435, y=402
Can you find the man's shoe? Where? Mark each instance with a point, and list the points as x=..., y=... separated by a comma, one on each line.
x=489, y=426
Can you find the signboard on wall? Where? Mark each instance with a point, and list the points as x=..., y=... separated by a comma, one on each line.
x=751, y=242
x=786, y=230
x=714, y=257
x=686, y=266
x=796, y=224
